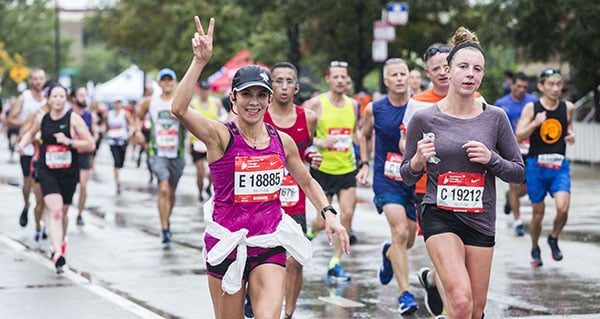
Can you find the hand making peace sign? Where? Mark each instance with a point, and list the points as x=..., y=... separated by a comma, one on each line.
x=202, y=44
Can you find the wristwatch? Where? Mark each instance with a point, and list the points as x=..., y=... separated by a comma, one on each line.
x=328, y=208
x=362, y=163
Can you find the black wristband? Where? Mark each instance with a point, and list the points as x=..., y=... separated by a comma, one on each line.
x=362, y=163
x=328, y=208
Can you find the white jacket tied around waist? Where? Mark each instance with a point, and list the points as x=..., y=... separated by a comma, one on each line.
x=288, y=234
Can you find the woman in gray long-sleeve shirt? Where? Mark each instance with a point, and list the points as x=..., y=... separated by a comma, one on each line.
x=465, y=144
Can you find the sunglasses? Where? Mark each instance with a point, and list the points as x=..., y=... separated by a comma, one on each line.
x=339, y=64
x=548, y=73
x=435, y=49
x=280, y=82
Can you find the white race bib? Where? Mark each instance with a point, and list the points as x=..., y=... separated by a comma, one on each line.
x=290, y=192
x=553, y=161
x=343, y=137
x=391, y=169
x=58, y=156
x=257, y=178
x=461, y=192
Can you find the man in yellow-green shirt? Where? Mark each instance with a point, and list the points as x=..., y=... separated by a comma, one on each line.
x=334, y=133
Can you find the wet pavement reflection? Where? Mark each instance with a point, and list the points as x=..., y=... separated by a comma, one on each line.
x=119, y=249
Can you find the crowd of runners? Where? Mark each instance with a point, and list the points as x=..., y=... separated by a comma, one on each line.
x=431, y=155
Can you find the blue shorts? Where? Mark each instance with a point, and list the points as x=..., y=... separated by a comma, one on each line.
x=408, y=203
x=542, y=180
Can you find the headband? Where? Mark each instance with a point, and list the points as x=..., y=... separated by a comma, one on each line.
x=462, y=46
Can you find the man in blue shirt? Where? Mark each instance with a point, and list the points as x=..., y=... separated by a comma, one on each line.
x=513, y=103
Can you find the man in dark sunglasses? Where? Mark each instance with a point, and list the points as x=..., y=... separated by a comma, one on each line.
x=335, y=130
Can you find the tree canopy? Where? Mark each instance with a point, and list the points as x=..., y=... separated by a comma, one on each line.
x=309, y=33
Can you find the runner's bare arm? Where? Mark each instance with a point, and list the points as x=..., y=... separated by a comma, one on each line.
x=86, y=143
x=28, y=135
x=527, y=122
x=313, y=191
x=366, y=137
x=213, y=133
x=570, y=138
x=140, y=114
x=15, y=110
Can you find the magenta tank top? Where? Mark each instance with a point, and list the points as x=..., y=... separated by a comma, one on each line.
x=246, y=185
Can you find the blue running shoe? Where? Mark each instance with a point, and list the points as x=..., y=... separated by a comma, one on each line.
x=556, y=253
x=248, y=313
x=433, y=300
x=386, y=272
x=337, y=274
x=166, y=241
x=519, y=231
x=536, y=258
x=407, y=303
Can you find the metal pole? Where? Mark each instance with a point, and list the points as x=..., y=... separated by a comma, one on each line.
x=56, y=38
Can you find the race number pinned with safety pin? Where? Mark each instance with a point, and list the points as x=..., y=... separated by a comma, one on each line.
x=257, y=178
x=391, y=168
x=290, y=192
x=343, y=137
x=553, y=161
x=461, y=192
x=58, y=156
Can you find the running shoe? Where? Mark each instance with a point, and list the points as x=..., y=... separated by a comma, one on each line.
x=556, y=253
x=59, y=261
x=519, y=230
x=433, y=300
x=338, y=274
x=23, y=218
x=248, y=313
x=353, y=238
x=536, y=258
x=386, y=272
x=209, y=191
x=310, y=234
x=80, y=220
x=166, y=241
x=37, y=239
x=507, y=205
x=407, y=304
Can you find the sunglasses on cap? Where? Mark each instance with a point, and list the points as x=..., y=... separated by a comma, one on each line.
x=339, y=64
x=435, y=49
x=548, y=73
x=394, y=60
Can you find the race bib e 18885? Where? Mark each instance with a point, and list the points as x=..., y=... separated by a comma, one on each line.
x=257, y=178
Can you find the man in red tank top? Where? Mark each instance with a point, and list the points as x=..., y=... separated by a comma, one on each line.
x=300, y=124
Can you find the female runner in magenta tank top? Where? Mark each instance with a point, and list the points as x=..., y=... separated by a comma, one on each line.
x=247, y=158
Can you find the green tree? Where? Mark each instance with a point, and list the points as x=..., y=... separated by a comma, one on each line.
x=27, y=28
x=547, y=30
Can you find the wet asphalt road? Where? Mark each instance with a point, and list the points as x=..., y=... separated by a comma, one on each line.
x=118, y=259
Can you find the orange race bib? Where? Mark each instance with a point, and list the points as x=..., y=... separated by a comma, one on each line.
x=58, y=156
x=391, y=168
x=461, y=192
x=257, y=178
x=343, y=137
